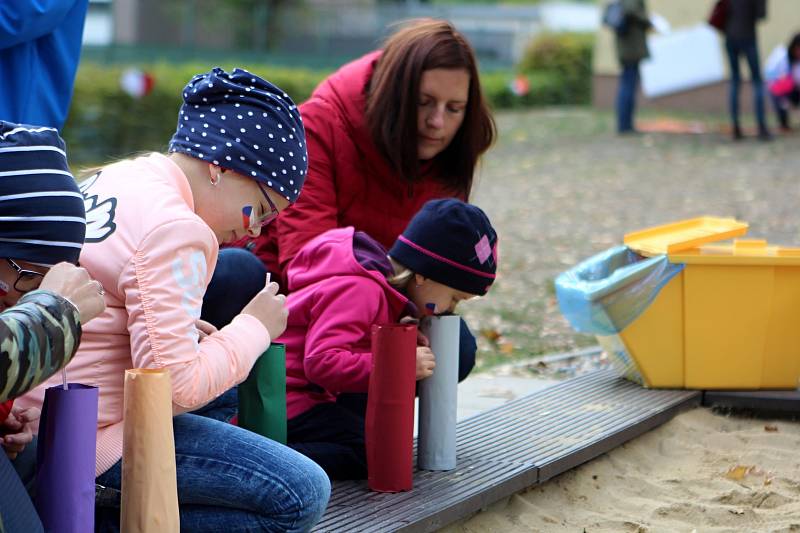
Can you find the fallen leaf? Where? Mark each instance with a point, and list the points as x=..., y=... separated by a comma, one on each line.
x=738, y=472
x=507, y=347
x=490, y=334
x=771, y=429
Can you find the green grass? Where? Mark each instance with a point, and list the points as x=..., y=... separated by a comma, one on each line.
x=560, y=186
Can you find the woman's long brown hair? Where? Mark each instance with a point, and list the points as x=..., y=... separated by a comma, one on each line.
x=393, y=96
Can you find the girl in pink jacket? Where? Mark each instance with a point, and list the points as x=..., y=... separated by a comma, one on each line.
x=154, y=226
x=342, y=282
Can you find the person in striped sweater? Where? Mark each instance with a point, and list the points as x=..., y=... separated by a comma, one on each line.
x=44, y=296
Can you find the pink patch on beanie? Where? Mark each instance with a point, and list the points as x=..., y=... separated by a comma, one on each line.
x=483, y=249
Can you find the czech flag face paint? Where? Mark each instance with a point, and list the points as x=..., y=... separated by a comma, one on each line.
x=247, y=217
x=430, y=309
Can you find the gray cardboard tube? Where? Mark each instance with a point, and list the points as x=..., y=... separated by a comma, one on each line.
x=438, y=396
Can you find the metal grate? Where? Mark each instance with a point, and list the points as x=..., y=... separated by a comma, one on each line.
x=509, y=448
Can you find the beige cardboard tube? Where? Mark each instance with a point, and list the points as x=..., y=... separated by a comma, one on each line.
x=149, y=485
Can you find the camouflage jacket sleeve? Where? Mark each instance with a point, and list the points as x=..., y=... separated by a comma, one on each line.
x=38, y=336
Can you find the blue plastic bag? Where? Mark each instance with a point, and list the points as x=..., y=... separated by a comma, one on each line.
x=608, y=291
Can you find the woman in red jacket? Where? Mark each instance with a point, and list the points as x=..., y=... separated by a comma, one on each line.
x=386, y=133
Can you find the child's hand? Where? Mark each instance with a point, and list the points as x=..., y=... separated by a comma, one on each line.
x=269, y=308
x=74, y=284
x=426, y=362
x=16, y=431
x=422, y=340
x=204, y=329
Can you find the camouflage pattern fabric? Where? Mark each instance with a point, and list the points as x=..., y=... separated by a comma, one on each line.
x=38, y=336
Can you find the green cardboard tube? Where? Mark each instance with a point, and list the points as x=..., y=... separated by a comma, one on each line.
x=262, y=396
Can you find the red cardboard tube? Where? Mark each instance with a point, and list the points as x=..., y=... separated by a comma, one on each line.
x=389, y=425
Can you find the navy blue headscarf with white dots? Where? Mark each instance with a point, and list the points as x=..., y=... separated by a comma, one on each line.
x=244, y=123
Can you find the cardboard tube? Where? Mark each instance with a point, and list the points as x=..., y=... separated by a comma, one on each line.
x=262, y=396
x=389, y=425
x=149, y=485
x=65, y=458
x=438, y=396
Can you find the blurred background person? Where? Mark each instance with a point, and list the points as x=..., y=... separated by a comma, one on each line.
x=783, y=80
x=44, y=297
x=632, y=48
x=741, y=40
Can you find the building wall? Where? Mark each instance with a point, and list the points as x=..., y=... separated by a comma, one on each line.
x=783, y=20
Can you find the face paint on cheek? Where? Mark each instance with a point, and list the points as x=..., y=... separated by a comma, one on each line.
x=5, y=288
x=430, y=309
x=247, y=216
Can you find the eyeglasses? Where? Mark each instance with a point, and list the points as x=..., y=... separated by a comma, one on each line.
x=27, y=280
x=268, y=217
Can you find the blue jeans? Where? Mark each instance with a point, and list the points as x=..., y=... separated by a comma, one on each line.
x=232, y=480
x=626, y=96
x=749, y=49
x=16, y=508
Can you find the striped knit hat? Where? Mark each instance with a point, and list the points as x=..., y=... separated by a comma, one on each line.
x=42, y=216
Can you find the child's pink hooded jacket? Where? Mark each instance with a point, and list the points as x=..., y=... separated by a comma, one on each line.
x=334, y=302
x=154, y=257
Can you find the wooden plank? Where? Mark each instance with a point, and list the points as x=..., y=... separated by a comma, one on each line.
x=509, y=448
x=770, y=401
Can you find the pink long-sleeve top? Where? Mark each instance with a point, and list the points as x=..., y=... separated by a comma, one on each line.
x=154, y=257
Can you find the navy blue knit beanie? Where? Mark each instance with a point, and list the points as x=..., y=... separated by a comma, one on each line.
x=244, y=123
x=450, y=242
x=42, y=216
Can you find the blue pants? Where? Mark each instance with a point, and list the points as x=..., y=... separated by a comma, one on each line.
x=230, y=479
x=333, y=436
x=16, y=508
x=626, y=96
x=749, y=49
x=233, y=480
x=238, y=277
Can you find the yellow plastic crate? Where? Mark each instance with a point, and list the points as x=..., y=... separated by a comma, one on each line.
x=728, y=321
x=684, y=235
x=655, y=339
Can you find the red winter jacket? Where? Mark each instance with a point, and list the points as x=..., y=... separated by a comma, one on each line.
x=349, y=183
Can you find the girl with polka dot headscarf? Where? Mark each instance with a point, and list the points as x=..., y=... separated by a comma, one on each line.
x=154, y=227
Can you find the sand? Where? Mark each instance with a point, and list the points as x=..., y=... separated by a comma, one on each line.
x=702, y=471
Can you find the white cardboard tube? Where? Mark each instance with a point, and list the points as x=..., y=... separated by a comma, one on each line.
x=438, y=396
